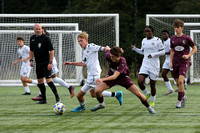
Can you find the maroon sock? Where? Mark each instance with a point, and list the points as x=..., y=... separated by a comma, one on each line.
x=180, y=95
x=145, y=103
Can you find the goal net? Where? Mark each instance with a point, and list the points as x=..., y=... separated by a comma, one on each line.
x=103, y=29
x=66, y=48
x=164, y=21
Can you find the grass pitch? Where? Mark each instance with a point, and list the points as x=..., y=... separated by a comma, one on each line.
x=19, y=113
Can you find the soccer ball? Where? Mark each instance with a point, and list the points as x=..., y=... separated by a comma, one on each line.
x=59, y=108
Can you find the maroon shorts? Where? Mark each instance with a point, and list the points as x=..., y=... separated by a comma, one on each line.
x=180, y=70
x=123, y=81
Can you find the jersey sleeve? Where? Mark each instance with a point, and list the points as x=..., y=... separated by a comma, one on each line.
x=95, y=48
x=171, y=44
x=50, y=45
x=122, y=66
x=31, y=46
x=19, y=55
x=160, y=45
x=27, y=49
x=190, y=42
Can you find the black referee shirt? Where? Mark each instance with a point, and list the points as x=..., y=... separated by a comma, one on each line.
x=41, y=46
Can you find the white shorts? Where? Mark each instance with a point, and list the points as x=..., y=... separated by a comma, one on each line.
x=153, y=73
x=25, y=70
x=54, y=69
x=166, y=65
x=91, y=83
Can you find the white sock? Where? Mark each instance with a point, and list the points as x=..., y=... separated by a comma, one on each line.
x=169, y=86
x=60, y=81
x=153, y=98
x=82, y=103
x=145, y=91
x=34, y=82
x=107, y=94
x=27, y=89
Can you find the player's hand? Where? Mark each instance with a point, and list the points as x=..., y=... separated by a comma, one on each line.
x=122, y=51
x=185, y=57
x=171, y=67
x=150, y=56
x=31, y=63
x=25, y=59
x=132, y=46
x=99, y=81
x=14, y=63
x=67, y=63
x=107, y=48
x=49, y=67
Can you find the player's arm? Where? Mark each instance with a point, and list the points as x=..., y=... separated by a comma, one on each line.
x=194, y=50
x=139, y=51
x=74, y=63
x=171, y=58
x=112, y=77
x=18, y=60
x=50, y=59
x=157, y=54
x=31, y=58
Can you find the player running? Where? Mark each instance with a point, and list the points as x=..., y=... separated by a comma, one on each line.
x=90, y=59
x=166, y=65
x=23, y=52
x=152, y=48
x=117, y=75
x=179, y=59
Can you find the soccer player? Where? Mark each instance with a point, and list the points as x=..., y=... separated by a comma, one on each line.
x=117, y=75
x=152, y=48
x=179, y=58
x=42, y=49
x=54, y=77
x=166, y=65
x=90, y=59
x=23, y=52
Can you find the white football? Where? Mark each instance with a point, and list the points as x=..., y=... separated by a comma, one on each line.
x=59, y=108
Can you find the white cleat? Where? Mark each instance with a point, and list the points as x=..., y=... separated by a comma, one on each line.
x=178, y=104
x=99, y=106
x=169, y=92
x=183, y=101
x=151, y=110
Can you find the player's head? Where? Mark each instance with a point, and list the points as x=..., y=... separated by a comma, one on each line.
x=165, y=34
x=149, y=31
x=83, y=39
x=178, y=26
x=115, y=53
x=38, y=29
x=20, y=41
x=44, y=31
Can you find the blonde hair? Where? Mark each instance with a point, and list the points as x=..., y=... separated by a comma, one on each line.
x=83, y=35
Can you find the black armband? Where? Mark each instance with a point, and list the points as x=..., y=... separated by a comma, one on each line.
x=31, y=59
x=50, y=62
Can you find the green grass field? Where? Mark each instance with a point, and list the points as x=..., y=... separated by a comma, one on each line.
x=19, y=113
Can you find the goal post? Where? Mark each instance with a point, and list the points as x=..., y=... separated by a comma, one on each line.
x=65, y=45
x=165, y=21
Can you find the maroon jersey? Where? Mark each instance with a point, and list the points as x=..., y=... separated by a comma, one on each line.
x=120, y=66
x=181, y=46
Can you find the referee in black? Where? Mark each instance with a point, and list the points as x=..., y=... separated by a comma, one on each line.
x=42, y=49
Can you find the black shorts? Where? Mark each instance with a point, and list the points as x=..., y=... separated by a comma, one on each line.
x=42, y=70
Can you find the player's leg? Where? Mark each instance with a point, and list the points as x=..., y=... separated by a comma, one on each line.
x=64, y=84
x=81, y=98
x=142, y=98
x=27, y=80
x=42, y=90
x=141, y=80
x=99, y=89
x=153, y=92
x=167, y=82
x=53, y=88
x=26, y=88
x=181, y=93
x=118, y=95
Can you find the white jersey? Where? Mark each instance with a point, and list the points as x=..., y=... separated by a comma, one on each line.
x=90, y=58
x=167, y=49
x=24, y=53
x=151, y=46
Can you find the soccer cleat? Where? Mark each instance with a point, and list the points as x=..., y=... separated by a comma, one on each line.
x=71, y=91
x=58, y=100
x=42, y=102
x=79, y=109
x=119, y=97
x=97, y=107
x=147, y=96
x=169, y=92
x=151, y=110
x=27, y=93
x=38, y=98
x=152, y=104
x=183, y=101
x=178, y=104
